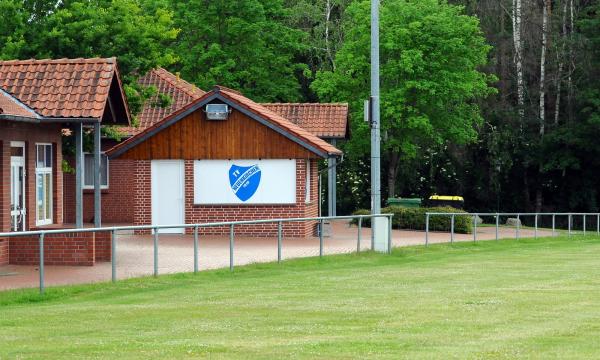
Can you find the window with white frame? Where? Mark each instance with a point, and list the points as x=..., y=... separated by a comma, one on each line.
x=88, y=171
x=308, y=182
x=43, y=184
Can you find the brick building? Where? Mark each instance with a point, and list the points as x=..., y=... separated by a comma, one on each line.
x=249, y=163
x=53, y=177
x=40, y=100
x=326, y=121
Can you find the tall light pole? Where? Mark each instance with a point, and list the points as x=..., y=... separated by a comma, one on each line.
x=375, y=125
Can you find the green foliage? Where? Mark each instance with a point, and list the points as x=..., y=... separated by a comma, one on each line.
x=108, y=132
x=242, y=44
x=321, y=22
x=112, y=132
x=12, y=28
x=569, y=154
x=434, y=65
x=366, y=222
x=430, y=54
x=414, y=218
x=163, y=101
x=139, y=37
x=137, y=95
x=66, y=167
x=138, y=33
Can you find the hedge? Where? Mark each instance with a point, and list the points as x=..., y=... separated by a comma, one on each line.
x=414, y=219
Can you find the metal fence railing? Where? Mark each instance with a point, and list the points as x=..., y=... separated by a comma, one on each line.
x=133, y=255
x=553, y=221
x=196, y=229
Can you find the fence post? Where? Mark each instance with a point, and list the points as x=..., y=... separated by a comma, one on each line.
x=231, y=235
x=427, y=229
x=569, y=221
x=372, y=237
x=155, y=252
x=113, y=255
x=321, y=237
x=518, y=231
x=279, y=234
x=359, y=234
x=497, y=224
x=452, y=228
x=584, y=221
x=536, y=227
x=41, y=263
x=196, y=248
x=389, y=235
x=475, y=227
x=553, y=225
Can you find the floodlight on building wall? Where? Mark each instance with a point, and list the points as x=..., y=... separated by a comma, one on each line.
x=217, y=111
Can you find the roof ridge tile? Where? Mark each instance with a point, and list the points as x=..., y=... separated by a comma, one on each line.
x=326, y=120
x=178, y=82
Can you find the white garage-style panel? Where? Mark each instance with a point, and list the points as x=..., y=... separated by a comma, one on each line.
x=245, y=181
x=168, y=194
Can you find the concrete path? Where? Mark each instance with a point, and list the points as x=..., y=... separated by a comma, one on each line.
x=135, y=253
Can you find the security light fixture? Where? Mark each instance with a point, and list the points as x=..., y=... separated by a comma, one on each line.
x=217, y=111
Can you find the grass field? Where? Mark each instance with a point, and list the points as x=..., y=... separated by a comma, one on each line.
x=493, y=300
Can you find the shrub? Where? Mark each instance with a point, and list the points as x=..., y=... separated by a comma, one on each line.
x=414, y=218
x=366, y=222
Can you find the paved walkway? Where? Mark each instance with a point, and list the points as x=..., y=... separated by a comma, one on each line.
x=135, y=253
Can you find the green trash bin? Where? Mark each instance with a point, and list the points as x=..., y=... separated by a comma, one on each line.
x=404, y=202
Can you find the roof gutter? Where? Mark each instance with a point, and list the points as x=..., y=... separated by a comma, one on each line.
x=72, y=120
x=26, y=119
x=18, y=118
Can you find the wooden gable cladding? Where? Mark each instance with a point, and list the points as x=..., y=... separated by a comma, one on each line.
x=238, y=137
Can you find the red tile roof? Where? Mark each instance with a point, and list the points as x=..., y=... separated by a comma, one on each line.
x=280, y=121
x=180, y=91
x=11, y=106
x=242, y=101
x=324, y=120
x=61, y=88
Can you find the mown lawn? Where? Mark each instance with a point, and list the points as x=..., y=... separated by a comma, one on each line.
x=493, y=300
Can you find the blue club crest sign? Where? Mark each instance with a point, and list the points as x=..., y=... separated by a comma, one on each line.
x=244, y=180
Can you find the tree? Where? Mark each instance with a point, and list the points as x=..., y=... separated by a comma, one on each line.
x=12, y=28
x=516, y=14
x=321, y=22
x=122, y=28
x=245, y=45
x=572, y=157
x=430, y=54
x=138, y=33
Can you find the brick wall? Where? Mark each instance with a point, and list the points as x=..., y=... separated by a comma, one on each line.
x=219, y=213
x=102, y=246
x=142, y=206
x=4, y=252
x=75, y=249
x=117, y=200
x=4, y=183
x=30, y=134
x=312, y=209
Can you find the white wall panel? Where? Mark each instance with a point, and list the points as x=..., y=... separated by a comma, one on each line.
x=245, y=182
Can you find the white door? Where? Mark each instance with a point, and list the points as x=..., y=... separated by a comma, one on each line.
x=17, y=186
x=168, y=194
